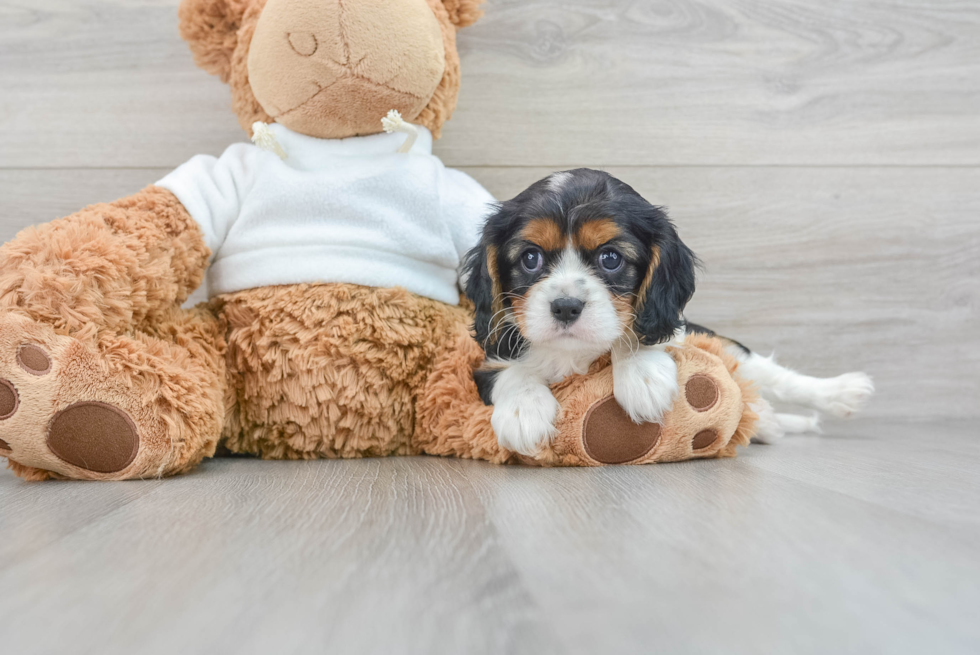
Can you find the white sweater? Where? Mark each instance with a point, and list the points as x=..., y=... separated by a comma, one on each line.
x=336, y=210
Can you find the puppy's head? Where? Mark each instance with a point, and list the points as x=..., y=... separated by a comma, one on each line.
x=577, y=261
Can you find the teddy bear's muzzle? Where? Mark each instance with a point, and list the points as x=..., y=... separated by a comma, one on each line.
x=330, y=69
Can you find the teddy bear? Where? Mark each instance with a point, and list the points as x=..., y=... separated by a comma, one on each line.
x=335, y=326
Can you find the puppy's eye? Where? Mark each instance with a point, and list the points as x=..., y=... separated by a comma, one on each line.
x=610, y=260
x=532, y=260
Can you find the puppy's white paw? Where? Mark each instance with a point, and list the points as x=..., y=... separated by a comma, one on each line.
x=800, y=424
x=525, y=422
x=768, y=428
x=845, y=394
x=645, y=384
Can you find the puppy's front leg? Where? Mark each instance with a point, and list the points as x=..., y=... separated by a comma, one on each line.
x=644, y=381
x=524, y=410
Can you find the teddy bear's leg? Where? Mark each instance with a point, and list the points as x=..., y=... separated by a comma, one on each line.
x=146, y=404
x=102, y=375
x=710, y=418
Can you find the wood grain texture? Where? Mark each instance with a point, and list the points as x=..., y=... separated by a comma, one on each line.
x=813, y=545
x=675, y=82
x=374, y=556
x=546, y=82
x=834, y=269
x=733, y=559
x=918, y=469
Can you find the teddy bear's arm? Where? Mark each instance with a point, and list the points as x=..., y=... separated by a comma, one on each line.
x=107, y=267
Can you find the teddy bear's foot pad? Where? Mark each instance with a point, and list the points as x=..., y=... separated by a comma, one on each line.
x=94, y=436
x=609, y=435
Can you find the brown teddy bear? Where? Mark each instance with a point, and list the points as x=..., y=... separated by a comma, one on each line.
x=335, y=328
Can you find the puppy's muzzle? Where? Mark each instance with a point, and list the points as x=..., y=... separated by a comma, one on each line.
x=566, y=310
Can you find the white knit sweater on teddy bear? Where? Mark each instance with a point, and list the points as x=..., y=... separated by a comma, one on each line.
x=335, y=210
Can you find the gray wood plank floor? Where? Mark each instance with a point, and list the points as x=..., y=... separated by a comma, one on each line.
x=824, y=161
x=862, y=540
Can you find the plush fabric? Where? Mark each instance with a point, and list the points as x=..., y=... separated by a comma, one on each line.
x=336, y=210
x=330, y=370
x=169, y=380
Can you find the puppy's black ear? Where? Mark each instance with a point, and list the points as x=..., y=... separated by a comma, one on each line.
x=666, y=288
x=482, y=286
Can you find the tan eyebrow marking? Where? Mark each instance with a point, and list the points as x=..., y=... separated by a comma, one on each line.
x=641, y=295
x=593, y=234
x=544, y=233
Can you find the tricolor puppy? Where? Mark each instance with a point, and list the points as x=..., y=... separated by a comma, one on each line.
x=579, y=265
x=576, y=266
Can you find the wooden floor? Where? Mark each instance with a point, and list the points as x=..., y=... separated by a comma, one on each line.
x=823, y=159
x=860, y=541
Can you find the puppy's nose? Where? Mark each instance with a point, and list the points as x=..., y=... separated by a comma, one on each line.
x=566, y=310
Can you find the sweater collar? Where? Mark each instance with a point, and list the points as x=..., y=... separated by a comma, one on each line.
x=306, y=151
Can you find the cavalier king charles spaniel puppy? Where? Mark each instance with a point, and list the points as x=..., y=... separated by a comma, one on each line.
x=580, y=265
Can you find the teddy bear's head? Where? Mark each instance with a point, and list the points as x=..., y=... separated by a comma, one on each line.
x=332, y=68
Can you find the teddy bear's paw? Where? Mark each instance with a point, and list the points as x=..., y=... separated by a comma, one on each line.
x=59, y=411
x=595, y=429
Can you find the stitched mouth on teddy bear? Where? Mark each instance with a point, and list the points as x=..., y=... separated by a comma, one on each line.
x=319, y=89
x=347, y=75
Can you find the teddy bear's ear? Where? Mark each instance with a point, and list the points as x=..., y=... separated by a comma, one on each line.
x=210, y=27
x=463, y=13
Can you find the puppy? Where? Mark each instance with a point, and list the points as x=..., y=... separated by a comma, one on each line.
x=579, y=265
x=576, y=266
